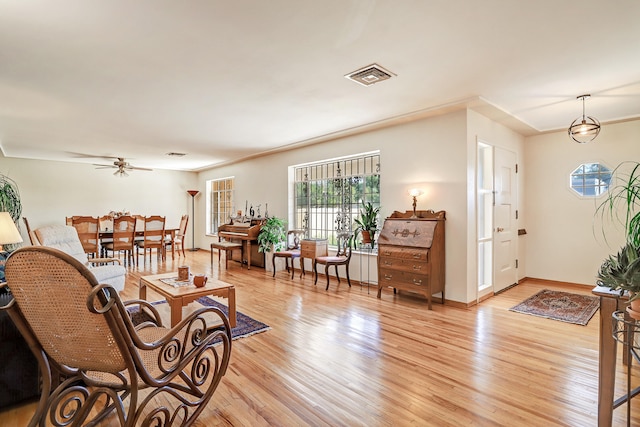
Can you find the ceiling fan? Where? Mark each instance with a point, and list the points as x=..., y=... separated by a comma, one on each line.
x=122, y=167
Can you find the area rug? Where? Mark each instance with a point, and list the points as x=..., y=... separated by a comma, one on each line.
x=558, y=305
x=245, y=325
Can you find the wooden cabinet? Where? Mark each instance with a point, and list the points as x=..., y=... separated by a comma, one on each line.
x=411, y=253
x=312, y=248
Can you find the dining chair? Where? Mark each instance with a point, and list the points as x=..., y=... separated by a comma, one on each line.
x=89, y=233
x=153, y=237
x=124, y=229
x=177, y=242
x=291, y=252
x=342, y=257
x=139, y=227
x=96, y=362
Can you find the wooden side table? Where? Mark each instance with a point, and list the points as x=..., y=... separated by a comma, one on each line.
x=312, y=248
x=610, y=301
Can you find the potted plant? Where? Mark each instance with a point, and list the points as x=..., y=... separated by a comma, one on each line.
x=367, y=222
x=272, y=235
x=621, y=271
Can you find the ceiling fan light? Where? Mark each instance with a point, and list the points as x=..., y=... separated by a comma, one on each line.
x=584, y=129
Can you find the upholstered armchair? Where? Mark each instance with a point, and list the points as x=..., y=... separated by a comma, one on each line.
x=65, y=238
x=142, y=374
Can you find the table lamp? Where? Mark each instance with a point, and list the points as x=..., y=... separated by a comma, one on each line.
x=8, y=231
x=415, y=192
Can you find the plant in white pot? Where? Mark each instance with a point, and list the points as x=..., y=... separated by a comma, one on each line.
x=272, y=235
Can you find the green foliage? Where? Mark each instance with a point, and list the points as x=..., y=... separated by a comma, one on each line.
x=621, y=272
x=368, y=220
x=622, y=204
x=272, y=234
x=10, y=198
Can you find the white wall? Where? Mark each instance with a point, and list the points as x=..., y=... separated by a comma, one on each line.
x=562, y=240
x=429, y=154
x=51, y=191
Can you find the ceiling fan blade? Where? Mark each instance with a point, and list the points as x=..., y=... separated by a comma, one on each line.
x=104, y=166
x=137, y=168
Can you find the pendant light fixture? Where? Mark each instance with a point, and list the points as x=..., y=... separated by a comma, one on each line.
x=584, y=129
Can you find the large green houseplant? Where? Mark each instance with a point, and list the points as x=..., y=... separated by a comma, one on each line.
x=367, y=222
x=621, y=206
x=272, y=235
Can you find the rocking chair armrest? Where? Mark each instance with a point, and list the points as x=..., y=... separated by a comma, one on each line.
x=147, y=308
x=190, y=338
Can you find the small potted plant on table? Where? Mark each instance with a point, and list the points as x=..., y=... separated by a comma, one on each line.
x=367, y=223
x=621, y=272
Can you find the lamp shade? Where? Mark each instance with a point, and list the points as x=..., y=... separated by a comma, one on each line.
x=8, y=231
x=584, y=129
x=415, y=192
x=193, y=193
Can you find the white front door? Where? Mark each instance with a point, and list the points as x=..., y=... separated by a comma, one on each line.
x=505, y=234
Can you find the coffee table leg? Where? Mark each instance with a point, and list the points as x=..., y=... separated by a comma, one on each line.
x=142, y=291
x=231, y=296
x=176, y=312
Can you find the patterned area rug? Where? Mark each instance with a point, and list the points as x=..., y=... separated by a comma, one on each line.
x=557, y=305
x=245, y=325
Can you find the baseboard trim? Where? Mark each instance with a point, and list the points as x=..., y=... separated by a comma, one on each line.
x=557, y=282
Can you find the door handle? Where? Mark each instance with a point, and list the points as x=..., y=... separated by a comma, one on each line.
x=499, y=229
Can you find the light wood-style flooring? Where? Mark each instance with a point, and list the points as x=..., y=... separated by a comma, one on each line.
x=345, y=358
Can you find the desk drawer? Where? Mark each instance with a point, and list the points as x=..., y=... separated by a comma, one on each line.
x=415, y=254
x=388, y=277
x=408, y=265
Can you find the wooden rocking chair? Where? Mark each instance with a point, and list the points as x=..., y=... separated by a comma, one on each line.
x=108, y=366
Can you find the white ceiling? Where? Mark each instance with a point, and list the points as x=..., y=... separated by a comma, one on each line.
x=224, y=80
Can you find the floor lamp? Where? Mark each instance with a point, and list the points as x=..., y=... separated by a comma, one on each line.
x=193, y=194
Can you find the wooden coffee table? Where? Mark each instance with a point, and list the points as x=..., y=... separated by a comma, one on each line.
x=178, y=297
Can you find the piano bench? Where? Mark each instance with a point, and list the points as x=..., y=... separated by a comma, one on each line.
x=227, y=247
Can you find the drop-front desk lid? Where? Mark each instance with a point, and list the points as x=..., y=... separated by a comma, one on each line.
x=406, y=232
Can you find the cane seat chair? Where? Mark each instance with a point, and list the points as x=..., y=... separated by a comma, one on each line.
x=342, y=257
x=88, y=229
x=153, y=237
x=142, y=374
x=292, y=251
x=124, y=230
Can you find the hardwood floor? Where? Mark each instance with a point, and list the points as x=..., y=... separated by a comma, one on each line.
x=345, y=358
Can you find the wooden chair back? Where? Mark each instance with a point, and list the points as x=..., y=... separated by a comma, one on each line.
x=153, y=237
x=88, y=229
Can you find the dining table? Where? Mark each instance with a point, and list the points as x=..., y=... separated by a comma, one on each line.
x=107, y=233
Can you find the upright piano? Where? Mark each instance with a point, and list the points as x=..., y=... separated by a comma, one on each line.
x=247, y=233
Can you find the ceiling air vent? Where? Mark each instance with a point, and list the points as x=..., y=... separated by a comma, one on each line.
x=370, y=74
